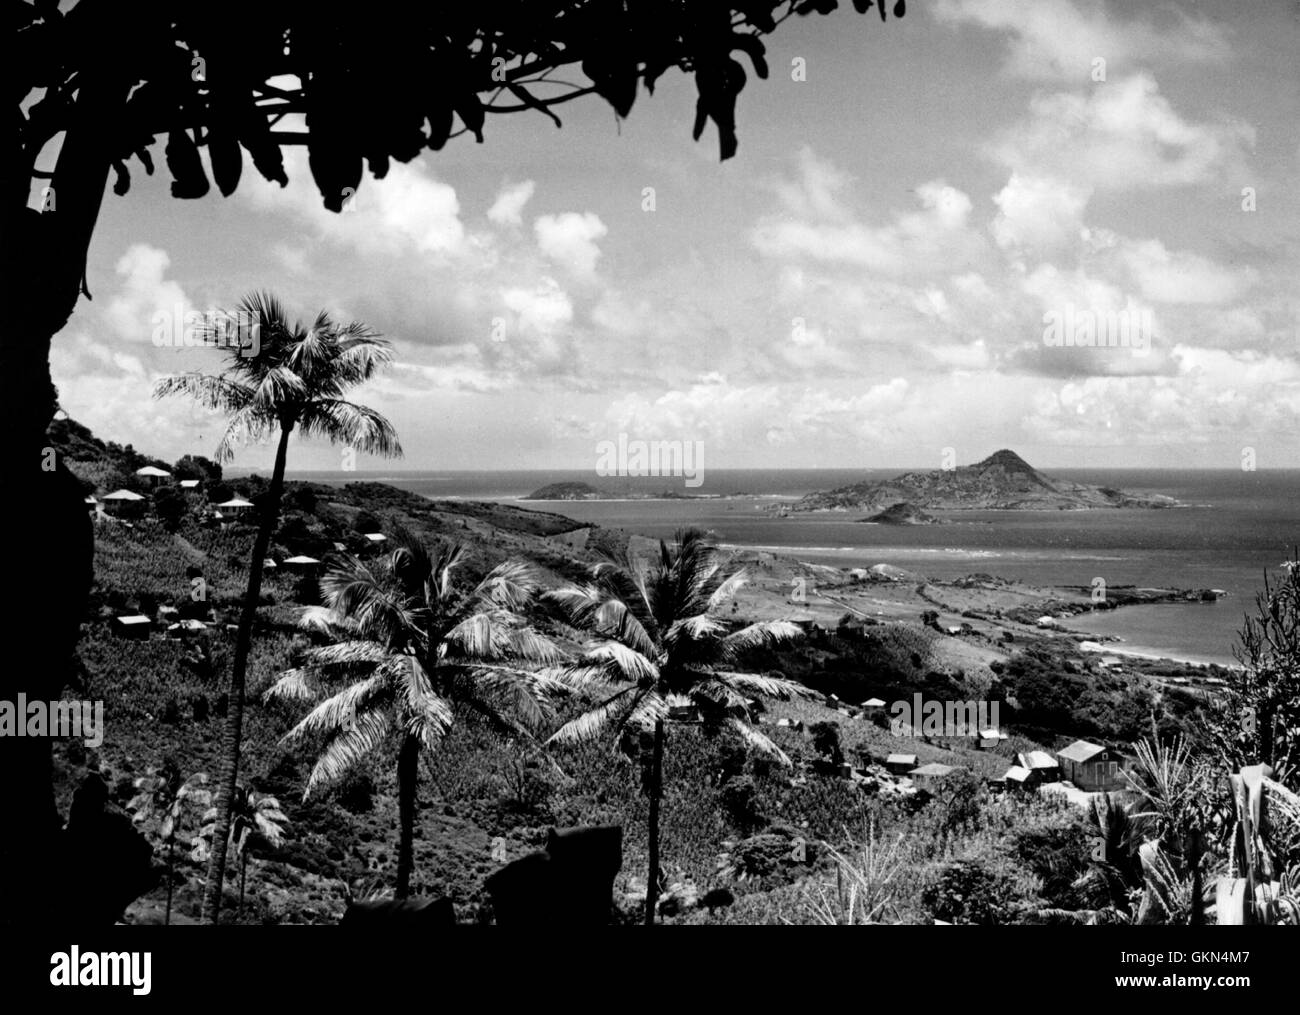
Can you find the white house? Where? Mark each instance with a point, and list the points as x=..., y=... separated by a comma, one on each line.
x=153, y=475
x=121, y=501
x=234, y=507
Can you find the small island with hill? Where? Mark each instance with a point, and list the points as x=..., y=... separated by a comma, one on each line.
x=1002, y=482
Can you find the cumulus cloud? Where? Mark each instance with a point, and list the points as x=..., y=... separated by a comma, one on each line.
x=1181, y=276
x=933, y=238
x=1059, y=39
x=145, y=293
x=507, y=209
x=1038, y=214
x=1123, y=135
x=569, y=239
x=407, y=210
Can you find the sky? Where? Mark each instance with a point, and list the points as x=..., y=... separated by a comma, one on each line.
x=921, y=219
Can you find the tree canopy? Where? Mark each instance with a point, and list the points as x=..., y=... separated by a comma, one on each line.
x=371, y=88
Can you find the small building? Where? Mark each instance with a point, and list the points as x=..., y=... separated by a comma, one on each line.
x=1017, y=777
x=376, y=537
x=1045, y=621
x=268, y=564
x=900, y=764
x=123, y=502
x=928, y=776
x=189, y=485
x=1042, y=767
x=92, y=505
x=153, y=476
x=302, y=564
x=871, y=706
x=135, y=625
x=1091, y=767
x=234, y=507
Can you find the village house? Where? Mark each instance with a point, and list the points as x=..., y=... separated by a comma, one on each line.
x=153, y=476
x=189, y=485
x=136, y=625
x=927, y=777
x=1017, y=777
x=302, y=564
x=900, y=764
x=233, y=508
x=123, y=502
x=1042, y=767
x=1091, y=767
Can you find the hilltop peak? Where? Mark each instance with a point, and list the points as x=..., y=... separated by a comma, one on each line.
x=1007, y=459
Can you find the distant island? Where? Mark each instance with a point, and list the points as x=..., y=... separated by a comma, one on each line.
x=1003, y=481
x=585, y=491
x=903, y=513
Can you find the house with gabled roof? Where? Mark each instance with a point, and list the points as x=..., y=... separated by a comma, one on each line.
x=928, y=776
x=1042, y=767
x=1091, y=767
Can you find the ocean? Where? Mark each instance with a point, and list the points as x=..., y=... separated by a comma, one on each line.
x=1237, y=527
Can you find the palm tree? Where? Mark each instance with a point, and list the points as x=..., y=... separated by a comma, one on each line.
x=258, y=823
x=660, y=650
x=297, y=379
x=420, y=646
x=162, y=792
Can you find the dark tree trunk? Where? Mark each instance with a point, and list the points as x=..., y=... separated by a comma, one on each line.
x=167, y=917
x=233, y=734
x=407, y=773
x=656, y=791
x=243, y=873
x=44, y=262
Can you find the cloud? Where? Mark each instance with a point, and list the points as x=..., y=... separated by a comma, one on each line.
x=1213, y=392
x=507, y=209
x=1121, y=136
x=1038, y=214
x=408, y=210
x=569, y=239
x=936, y=237
x=1058, y=40
x=145, y=293
x=1182, y=277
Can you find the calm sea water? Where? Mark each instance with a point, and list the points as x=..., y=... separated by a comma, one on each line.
x=1237, y=526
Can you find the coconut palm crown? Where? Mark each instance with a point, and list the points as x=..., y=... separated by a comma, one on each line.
x=409, y=645
x=658, y=644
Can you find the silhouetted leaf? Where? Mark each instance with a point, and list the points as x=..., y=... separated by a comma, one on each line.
x=185, y=165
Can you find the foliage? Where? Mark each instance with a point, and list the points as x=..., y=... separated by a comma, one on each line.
x=1257, y=721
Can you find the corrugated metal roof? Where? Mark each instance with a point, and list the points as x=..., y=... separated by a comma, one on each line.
x=1080, y=750
x=933, y=768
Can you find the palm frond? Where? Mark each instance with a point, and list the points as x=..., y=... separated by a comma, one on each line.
x=759, y=742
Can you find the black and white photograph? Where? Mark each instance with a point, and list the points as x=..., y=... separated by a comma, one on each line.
x=586, y=465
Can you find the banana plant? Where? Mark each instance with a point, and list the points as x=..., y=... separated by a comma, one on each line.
x=1256, y=892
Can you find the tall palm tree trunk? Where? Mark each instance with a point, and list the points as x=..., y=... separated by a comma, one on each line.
x=233, y=734
x=407, y=773
x=656, y=790
x=243, y=873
